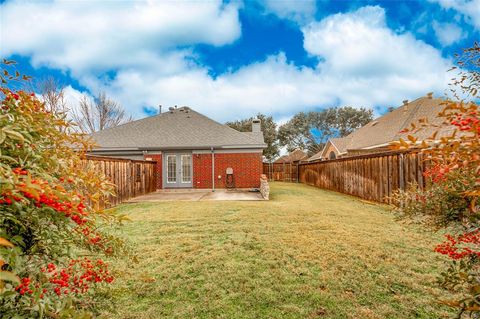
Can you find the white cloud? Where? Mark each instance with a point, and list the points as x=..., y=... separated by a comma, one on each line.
x=363, y=62
x=359, y=44
x=448, y=33
x=298, y=11
x=469, y=8
x=72, y=96
x=98, y=36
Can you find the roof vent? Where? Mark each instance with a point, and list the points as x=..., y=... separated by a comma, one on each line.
x=405, y=102
x=430, y=95
x=171, y=109
x=160, y=109
x=374, y=123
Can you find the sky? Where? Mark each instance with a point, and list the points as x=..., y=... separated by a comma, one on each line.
x=232, y=59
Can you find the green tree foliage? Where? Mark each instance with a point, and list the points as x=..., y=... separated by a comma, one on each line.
x=328, y=123
x=269, y=129
x=297, y=133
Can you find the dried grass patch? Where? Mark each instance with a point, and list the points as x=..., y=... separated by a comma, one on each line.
x=307, y=253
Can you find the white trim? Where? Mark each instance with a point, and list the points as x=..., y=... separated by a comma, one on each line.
x=181, y=168
x=325, y=148
x=219, y=151
x=167, y=168
x=152, y=153
x=374, y=146
x=262, y=146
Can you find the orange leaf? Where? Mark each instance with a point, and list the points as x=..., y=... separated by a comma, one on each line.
x=6, y=243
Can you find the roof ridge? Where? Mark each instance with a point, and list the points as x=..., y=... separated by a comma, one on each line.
x=411, y=114
x=183, y=107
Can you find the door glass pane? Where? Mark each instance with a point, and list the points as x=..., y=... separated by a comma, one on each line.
x=186, y=169
x=171, y=169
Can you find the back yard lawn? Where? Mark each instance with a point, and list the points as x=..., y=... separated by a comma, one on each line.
x=307, y=253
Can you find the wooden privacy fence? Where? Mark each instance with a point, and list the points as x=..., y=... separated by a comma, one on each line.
x=373, y=177
x=131, y=177
x=285, y=172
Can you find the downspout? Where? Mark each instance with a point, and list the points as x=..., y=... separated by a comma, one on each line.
x=213, y=169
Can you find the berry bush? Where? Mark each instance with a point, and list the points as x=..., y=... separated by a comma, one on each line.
x=451, y=200
x=52, y=234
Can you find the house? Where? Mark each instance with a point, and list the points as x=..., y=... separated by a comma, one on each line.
x=378, y=134
x=190, y=149
x=293, y=157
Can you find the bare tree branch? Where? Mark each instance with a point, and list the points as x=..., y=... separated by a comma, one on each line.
x=53, y=95
x=99, y=114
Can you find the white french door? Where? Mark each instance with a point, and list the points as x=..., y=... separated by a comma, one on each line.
x=177, y=170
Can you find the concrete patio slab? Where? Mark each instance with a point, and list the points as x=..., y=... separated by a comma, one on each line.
x=232, y=195
x=197, y=195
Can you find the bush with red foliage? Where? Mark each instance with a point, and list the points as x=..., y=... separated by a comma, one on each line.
x=48, y=212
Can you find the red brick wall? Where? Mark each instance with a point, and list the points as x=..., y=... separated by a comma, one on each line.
x=158, y=158
x=247, y=168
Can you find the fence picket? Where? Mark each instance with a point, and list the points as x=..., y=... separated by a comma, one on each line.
x=122, y=173
x=374, y=177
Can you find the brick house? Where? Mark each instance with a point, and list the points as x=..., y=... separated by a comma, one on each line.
x=377, y=135
x=191, y=150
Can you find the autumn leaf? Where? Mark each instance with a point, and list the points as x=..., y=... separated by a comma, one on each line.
x=6, y=243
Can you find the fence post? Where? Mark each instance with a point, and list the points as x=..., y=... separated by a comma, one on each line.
x=401, y=177
x=298, y=172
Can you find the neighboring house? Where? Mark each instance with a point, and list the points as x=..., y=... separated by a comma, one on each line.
x=293, y=157
x=191, y=150
x=378, y=134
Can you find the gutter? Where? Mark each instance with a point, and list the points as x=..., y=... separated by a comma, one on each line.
x=213, y=169
x=205, y=147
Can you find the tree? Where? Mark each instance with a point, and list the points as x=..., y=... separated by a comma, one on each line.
x=297, y=133
x=99, y=114
x=53, y=95
x=350, y=119
x=269, y=129
x=312, y=130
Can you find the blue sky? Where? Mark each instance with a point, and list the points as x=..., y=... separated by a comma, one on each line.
x=232, y=59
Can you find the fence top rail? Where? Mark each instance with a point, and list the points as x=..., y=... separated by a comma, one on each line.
x=116, y=159
x=374, y=155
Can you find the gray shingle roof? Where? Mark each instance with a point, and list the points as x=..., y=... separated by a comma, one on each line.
x=294, y=156
x=386, y=128
x=180, y=128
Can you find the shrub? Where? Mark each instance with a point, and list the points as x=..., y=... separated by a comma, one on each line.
x=451, y=198
x=49, y=212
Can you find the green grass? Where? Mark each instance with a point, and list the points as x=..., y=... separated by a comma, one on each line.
x=306, y=253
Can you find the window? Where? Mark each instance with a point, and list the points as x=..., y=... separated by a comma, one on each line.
x=332, y=155
x=171, y=169
x=186, y=169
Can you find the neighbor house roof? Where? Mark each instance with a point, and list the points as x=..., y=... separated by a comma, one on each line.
x=340, y=143
x=180, y=128
x=387, y=128
x=294, y=156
